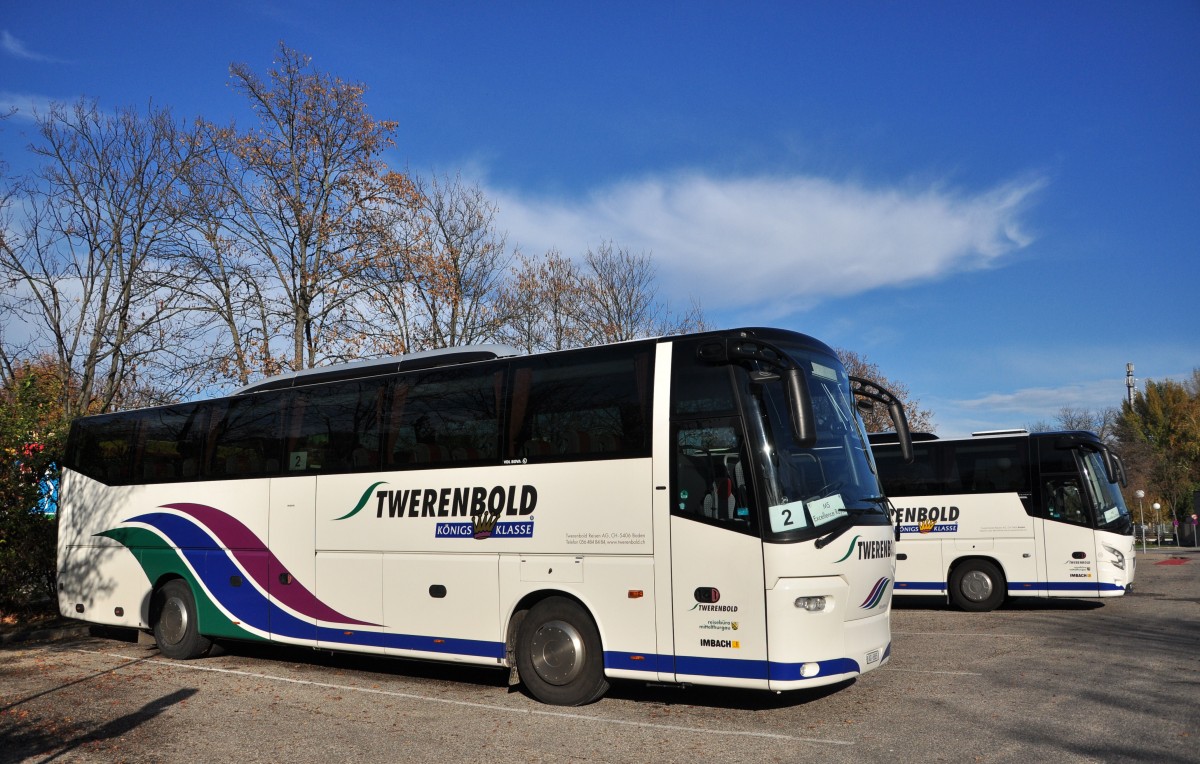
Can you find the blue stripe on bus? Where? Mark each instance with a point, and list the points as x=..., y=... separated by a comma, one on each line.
x=936, y=586
x=1020, y=586
x=1067, y=586
x=728, y=668
x=476, y=648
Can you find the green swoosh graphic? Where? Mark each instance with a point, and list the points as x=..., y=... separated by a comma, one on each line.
x=363, y=502
x=847, y=554
x=159, y=560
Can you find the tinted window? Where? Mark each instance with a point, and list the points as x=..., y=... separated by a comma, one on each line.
x=246, y=439
x=443, y=418
x=593, y=405
x=171, y=443
x=698, y=388
x=1062, y=499
x=102, y=447
x=1056, y=460
x=1062, y=492
x=955, y=467
x=711, y=480
x=335, y=428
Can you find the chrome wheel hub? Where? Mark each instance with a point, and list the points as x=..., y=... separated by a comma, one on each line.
x=557, y=652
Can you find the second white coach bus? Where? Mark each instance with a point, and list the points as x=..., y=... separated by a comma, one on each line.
x=699, y=509
x=1008, y=514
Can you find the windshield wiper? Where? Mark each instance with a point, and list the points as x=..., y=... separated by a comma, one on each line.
x=847, y=524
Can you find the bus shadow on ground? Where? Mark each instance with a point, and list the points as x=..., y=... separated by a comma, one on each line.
x=720, y=697
x=481, y=676
x=367, y=663
x=1026, y=604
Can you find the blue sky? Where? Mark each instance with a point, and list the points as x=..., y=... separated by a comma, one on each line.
x=998, y=203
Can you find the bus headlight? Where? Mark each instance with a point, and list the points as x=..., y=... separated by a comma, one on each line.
x=1118, y=556
x=811, y=604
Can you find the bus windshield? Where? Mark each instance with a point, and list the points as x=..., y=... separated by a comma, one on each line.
x=1111, y=513
x=833, y=482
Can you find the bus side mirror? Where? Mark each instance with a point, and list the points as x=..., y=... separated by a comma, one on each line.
x=800, y=407
x=896, y=410
x=1112, y=466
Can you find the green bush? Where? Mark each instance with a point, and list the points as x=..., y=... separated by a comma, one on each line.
x=32, y=435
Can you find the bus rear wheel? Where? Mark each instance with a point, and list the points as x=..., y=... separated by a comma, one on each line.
x=977, y=586
x=559, y=656
x=173, y=611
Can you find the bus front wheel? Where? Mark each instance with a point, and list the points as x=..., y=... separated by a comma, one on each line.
x=977, y=586
x=559, y=655
x=175, y=623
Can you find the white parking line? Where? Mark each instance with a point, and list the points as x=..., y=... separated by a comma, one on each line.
x=925, y=671
x=489, y=707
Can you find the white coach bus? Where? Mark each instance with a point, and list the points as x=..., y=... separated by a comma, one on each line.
x=1008, y=513
x=698, y=509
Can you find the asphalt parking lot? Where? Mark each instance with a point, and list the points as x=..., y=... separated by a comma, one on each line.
x=1046, y=680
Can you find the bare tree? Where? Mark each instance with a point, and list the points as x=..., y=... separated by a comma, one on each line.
x=620, y=298
x=84, y=264
x=444, y=265
x=1103, y=422
x=302, y=185
x=543, y=303
x=228, y=304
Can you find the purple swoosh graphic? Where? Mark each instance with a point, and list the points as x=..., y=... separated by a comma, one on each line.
x=240, y=540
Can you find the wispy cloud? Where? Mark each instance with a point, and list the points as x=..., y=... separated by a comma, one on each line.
x=1020, y=408
x=23, y=105
x=1048, y=401
x=741, y=243
x=15, y=48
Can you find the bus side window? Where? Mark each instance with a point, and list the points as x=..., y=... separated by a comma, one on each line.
x=443, y=418
x=336, y=428
x=171, y=440
x=247, y=441
x=709, y=481
x=571, y=410
x=1063, y=500
x=102, y=448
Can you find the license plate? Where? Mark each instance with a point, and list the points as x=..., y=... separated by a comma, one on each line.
x=873, y=656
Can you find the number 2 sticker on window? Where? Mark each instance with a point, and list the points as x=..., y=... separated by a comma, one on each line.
x=787, y=517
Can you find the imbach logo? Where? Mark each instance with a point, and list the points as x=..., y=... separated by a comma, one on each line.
x=481, y=508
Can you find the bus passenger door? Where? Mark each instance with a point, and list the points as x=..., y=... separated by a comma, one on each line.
x=1070, y=567
x=717, y=584
x=292, y=558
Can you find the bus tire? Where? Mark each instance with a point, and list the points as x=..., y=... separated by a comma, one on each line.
x=559, y=656
x=173, y=610
x=977, y=586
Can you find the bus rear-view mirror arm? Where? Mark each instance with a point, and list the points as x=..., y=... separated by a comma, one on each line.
x=868, y=389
